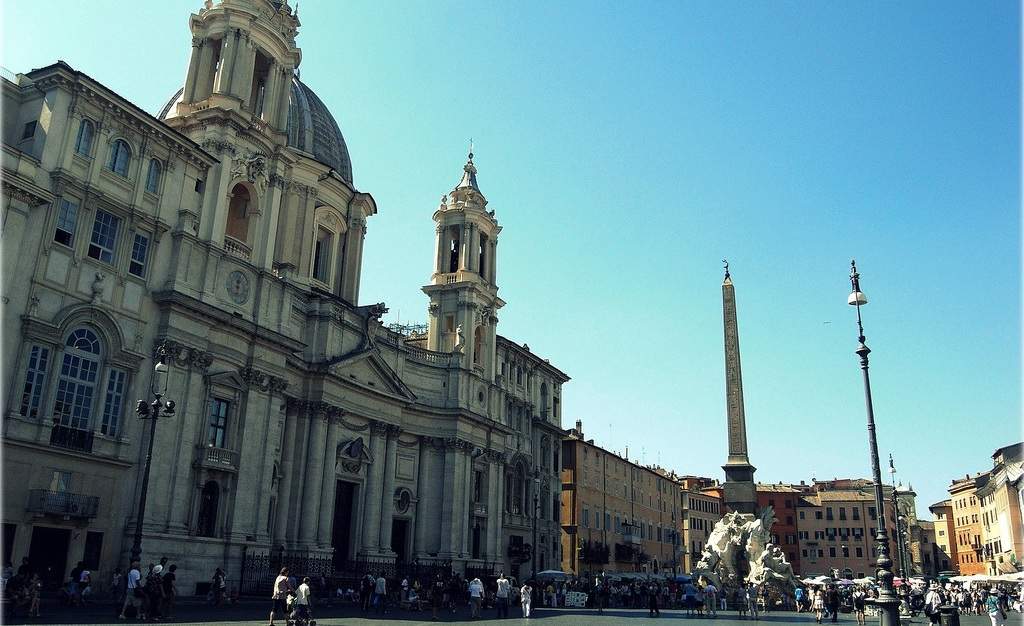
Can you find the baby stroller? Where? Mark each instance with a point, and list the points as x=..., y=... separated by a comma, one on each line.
x=299, y=614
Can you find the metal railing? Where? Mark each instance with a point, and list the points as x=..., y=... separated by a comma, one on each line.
x=71, y=438
x=62, y=503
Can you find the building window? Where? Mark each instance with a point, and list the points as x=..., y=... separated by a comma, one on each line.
x=238, y=214
x=856, y=513
x=77, y=384
x=93, y=549
x=842, y=513
x=114, y=402
x=83, y=144
x=35, y=375
x=140, y=250
x=104, y=236
x=218, y=423
x=322, y=250
x=67, y=218
x=859, y=551
x=817, y=515
x=206, y=525
x=153, y=176
x=586, y=517
x=872, y=513
x=120, y=154
x=29, y=131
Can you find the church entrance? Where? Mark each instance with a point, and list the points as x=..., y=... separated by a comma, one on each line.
x=399, y=535
x=341, y=536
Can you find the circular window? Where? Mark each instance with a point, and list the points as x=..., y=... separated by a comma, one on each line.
x=403, y=499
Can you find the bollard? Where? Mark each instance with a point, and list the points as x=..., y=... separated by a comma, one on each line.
x=949, y=616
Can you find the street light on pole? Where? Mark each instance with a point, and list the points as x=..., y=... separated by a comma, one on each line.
x=887, y=603
x=900, y=539
x=153, y=411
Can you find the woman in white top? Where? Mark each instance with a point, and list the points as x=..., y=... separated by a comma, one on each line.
x=525, y=597
x=280, y=596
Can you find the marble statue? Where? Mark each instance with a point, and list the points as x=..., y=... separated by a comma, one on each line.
x=739, y=551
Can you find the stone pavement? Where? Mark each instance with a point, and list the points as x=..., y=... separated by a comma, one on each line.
x=254, y=613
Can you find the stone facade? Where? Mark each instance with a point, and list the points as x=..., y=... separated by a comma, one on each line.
x=229, y=234
x=945, y=553
x=967, y=523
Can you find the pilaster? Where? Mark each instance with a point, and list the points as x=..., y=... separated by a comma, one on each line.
x=387, y=504
x=374, y=488
x=284, y=510
x=313, y=483
x=328, y=488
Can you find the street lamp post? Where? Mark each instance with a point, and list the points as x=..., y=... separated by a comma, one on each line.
x=887, y=603
x=900, y=524
x=153, y=411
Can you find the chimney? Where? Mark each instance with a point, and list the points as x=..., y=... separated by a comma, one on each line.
x=627, y=453
x=579, y=427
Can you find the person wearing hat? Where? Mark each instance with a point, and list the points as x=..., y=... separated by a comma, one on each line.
x=932, y=602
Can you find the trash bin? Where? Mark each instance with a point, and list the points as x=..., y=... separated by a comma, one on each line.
x=949, y=616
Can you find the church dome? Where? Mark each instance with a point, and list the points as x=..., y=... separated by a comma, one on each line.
x=311, y=128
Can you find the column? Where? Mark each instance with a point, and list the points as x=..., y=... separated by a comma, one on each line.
x=447, y=546
x=499, y=530
x=270, y=99
x=464, y=248
x=439, y=251
x=374, y=488
x=281, y=112
x=492, y=271
x=420, y=523
x=459, y=513
x=493, y=509
x=387, y=503
x=245, y=65
x=284, y=495
x=299, y=471
x=474, y=248
x=193, y=68
x=203, y=78
x=328, y=488
x=228, y=55
x=468, y=520
x=312, y=483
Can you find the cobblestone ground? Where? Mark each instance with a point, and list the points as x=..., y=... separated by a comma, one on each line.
x=255, y=614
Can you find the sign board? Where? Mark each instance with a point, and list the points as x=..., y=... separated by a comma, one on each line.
x=576, y=599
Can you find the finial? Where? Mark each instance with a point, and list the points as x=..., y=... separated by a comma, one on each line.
x=726, y=267
x=470, y=149
x=892, y=467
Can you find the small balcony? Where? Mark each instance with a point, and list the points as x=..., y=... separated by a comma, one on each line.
x=217, y=458
x=62, y=503
x=236, y=248
x=71, y=438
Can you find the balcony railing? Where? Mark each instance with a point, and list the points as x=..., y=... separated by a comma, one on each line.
x=236, y=248
x=62, y=503
x=71, y=438
x=217, y=458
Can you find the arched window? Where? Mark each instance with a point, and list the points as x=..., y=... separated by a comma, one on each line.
x=76, y=387
x=83, y=144
x=544, y=400
x=206, y=525
x=153, y=176
x=238, y=214
x=478, y=345
x=120, y=154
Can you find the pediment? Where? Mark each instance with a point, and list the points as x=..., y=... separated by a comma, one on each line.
x=229, y=378
x=368, y=369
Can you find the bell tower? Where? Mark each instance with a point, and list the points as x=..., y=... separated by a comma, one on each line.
x=463, y=288
x=243, y=58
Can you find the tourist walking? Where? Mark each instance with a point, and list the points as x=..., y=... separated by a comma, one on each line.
x=752, y=600
x=301, y=602
x=858, y=605
x=652, y=600
x=279, y=596
x=502, y=595
x=995, y=612
x=218, y=586
x=932, y=602
x=134, y=591
x=832, y=602
x=525, y=598
x=711, y=599
x=170, y=591
x=819, y=605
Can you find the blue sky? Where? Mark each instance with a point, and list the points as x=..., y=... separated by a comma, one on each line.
x=628, y=148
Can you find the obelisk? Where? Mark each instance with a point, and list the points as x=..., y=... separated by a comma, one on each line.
x=739, y=492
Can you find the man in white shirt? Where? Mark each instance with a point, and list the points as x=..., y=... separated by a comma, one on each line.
x=301, y=601
x=476, y=597
x=134, y=588
x=502, y=596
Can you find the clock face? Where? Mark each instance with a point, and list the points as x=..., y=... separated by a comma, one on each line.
x=238, y=287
